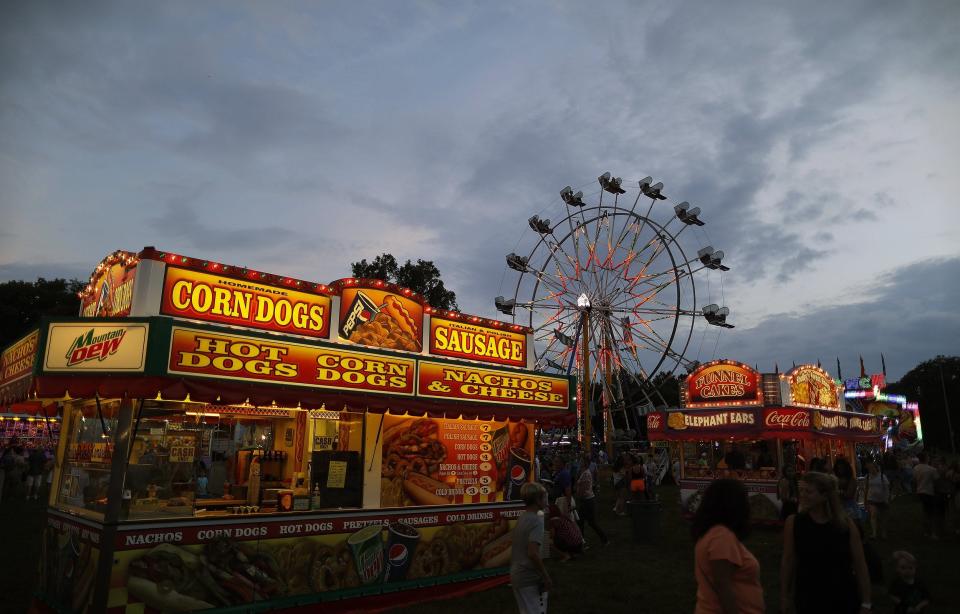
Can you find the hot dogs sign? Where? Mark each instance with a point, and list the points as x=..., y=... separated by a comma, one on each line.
x=429, y=461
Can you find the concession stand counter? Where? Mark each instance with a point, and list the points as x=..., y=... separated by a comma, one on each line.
x=738, y=423
x=241, y=441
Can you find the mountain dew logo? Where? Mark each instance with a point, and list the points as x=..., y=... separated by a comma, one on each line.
x=89, y=347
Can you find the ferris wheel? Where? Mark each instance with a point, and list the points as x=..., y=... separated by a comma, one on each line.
x=610, y=291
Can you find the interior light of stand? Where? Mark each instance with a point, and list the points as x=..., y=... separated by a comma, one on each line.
x=204, y=414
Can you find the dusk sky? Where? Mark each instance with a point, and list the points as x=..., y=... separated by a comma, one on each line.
x=821, y=141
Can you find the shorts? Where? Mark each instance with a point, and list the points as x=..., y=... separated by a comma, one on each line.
x=530, y=600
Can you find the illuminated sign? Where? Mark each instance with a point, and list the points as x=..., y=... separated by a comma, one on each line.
x=723, y=383
x=783, y=418
x=76, y=347
x=489, y=386
x=812, y=387
x=681, y=420
x=876, y=395
x=654, y=422
x=465, y=340
x=215, y=298
x=382, y=319
x=110, y=291
x=461, y=461
x=17, y=360
x=877, y=380
x=196, y=352
x=842, y=423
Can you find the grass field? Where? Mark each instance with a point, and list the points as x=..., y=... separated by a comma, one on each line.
x=623, y=577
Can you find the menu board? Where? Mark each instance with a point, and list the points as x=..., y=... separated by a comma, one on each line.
x=434, y=461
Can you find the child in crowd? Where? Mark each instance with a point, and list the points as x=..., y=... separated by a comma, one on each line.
x=909, y=594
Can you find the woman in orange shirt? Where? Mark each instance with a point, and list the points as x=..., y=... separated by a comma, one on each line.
x=728, y=575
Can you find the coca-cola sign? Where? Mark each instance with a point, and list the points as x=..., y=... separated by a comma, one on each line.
x=654, y=422
x=723, y=383
x=786, y=419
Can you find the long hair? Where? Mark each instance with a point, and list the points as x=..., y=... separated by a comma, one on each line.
x=724, y=502
x=829, y=488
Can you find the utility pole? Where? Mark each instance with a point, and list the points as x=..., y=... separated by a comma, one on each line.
x=585, y=391
x=946, y=408
x=583, y=304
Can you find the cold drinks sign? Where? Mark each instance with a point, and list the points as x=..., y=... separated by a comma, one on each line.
x=723, y=383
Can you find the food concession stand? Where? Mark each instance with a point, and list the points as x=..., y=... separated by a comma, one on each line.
x=241, y=441
x=735, y=422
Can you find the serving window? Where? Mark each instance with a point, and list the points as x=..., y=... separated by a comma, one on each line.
x=88, y=453
x=751, y=459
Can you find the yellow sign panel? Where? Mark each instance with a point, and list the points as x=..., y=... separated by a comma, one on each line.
x=464, y=340
x=489, y=386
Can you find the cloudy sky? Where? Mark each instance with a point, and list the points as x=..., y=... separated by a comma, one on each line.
x=822, y=142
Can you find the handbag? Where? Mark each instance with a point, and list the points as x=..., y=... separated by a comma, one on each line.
x=638, y=485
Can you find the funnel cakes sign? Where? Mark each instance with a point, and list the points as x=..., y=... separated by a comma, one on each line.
x=723, y=383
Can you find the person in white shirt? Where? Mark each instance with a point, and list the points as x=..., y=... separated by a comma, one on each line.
x=586, y=499
x=924, y=476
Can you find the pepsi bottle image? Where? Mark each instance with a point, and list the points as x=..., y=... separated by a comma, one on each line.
x=401, y=544
x=518, y=474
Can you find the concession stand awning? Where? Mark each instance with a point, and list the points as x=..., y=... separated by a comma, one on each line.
x=736, y=422
x=236, y=439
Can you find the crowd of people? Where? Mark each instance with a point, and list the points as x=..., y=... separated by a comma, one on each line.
x=25, y=470
x=559, y=506
x=828, y=562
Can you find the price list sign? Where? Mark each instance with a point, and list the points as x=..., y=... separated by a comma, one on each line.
x=432, y=461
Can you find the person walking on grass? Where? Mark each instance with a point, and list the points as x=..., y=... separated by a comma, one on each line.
x=728, y=575
x=878, y=500
x=528, y=576
x=620, y=485
x=35, y=463
x=823, y=568
x=925, y=477
x=586, y=500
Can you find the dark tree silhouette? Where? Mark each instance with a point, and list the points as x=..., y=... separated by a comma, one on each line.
x=935, y=384
x=423, y=277
x=23, y=302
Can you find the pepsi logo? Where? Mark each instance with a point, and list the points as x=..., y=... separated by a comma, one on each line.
x=397, y=554
x=518, y=473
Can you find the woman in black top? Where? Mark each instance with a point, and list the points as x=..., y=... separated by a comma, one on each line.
x=788, y=492
x=823, y=568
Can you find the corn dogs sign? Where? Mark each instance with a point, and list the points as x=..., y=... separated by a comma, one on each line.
x=215, y=298
x=464, y=340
